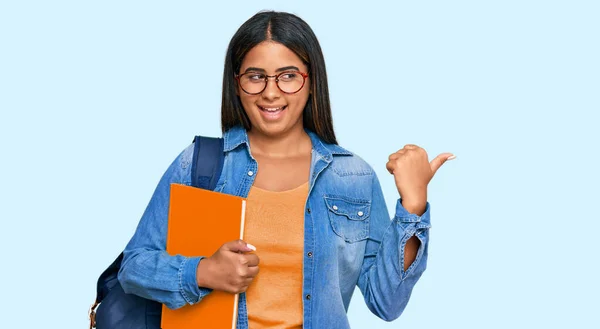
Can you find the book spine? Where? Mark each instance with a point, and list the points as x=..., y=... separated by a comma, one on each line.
x=237, y=296
x=243, y=219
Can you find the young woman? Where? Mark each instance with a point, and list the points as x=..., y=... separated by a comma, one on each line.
x=316, y=217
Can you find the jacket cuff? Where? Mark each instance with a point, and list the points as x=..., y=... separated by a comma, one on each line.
x=188, y=284
x=403, y=216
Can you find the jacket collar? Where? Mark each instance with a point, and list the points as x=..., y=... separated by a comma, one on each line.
x=237, y=136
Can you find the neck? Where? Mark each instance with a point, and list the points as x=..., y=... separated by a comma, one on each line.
x=291, y=143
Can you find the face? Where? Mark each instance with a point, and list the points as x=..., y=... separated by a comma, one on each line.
x=273, y=112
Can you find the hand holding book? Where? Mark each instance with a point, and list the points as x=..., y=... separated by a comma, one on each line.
x=231, y=268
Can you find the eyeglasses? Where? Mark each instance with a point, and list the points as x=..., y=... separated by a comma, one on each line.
x=289, y=82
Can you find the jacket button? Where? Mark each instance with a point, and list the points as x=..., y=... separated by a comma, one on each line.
x=308, y=296
x=360, y=213
x=250, y=173
x=335, y=208
x=309, y=254
x=308, y=210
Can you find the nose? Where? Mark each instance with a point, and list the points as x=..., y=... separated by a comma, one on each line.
x=271, y=90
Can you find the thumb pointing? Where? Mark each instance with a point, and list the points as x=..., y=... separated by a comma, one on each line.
x=440, y=160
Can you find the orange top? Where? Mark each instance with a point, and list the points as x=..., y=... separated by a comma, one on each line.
x=275, y=226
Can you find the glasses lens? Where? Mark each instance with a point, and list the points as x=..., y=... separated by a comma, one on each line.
x=290, y=82
x=252, y=83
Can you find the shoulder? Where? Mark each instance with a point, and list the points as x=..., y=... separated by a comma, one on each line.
x=350, y=164
x=185, y=157
x=179, y=171
x=342, y=161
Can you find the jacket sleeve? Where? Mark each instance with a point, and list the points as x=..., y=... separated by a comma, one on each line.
x=383, y=282
x=147, y=270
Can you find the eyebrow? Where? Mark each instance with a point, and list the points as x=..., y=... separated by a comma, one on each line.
x=281, y=69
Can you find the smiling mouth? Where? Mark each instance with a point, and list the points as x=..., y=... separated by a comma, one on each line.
x=272, y=109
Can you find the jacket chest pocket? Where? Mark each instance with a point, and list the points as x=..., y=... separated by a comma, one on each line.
x=349, y=217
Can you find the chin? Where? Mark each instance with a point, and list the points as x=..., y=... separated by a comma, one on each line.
x=271, y=131
x=274, y=129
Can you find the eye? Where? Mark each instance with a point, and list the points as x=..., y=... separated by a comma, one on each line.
x=288, y=76
x=254, y=77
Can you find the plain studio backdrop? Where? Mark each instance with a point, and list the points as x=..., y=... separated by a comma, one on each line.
x=97, y=99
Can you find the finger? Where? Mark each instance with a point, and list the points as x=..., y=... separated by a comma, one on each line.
x=247, y=272
x=252, y=259
x=252, y=271
x=390, y=167
x=239, y=246
x=238, y=290
x=440, y=160
x=411, y=146
x=398, y=154
x=245, y=284
x=240, y=287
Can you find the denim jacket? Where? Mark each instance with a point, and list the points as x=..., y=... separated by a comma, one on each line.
x=349, y=239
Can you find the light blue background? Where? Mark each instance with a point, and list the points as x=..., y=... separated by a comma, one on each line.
x=97, y=98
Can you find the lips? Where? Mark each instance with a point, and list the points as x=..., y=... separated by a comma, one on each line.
x=272, y=109
x=272, y=113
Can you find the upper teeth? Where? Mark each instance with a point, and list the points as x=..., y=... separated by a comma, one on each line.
x=272, y=109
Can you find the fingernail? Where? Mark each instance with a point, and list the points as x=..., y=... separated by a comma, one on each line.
x=251, y=246
x=452, y=157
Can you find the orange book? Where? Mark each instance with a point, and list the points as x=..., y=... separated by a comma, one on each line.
x=201, y=221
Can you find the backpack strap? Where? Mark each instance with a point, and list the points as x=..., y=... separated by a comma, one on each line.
x=207, y=162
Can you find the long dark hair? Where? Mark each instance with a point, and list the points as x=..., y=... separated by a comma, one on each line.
x=294, y=33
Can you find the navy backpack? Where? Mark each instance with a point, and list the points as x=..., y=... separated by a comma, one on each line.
x=119, y=310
